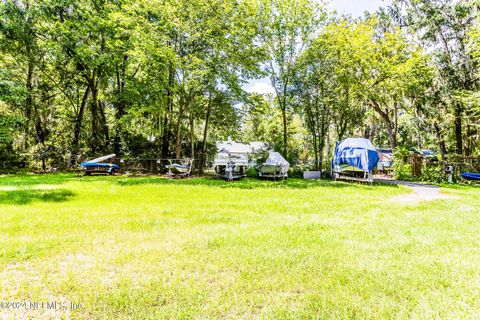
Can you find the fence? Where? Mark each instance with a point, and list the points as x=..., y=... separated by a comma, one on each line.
x=416, y=167
x=411, y=167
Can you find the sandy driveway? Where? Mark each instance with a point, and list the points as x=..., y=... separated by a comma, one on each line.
x=421, y=192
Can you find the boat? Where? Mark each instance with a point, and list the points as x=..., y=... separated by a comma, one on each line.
x=276, y=167
x=354, y=159
x=97, y=166
x=181, y=170
x=385, y=164
x=471, y=176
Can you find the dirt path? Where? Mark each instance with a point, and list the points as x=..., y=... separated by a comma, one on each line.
x=421, y=192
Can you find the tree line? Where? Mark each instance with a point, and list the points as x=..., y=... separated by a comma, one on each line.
x=166, y=79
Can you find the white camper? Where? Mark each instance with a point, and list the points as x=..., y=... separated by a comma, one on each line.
x=231, y=161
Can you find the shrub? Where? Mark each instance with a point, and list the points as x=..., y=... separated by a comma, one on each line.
x=252, y=172
x=402, y=171
x=295, y=173
x=433, y=174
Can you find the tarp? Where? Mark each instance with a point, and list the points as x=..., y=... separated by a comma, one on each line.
x=104, y=158
x=276, y=158
x=356, y=152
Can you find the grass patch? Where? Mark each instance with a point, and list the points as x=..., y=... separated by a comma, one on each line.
x=204, y=248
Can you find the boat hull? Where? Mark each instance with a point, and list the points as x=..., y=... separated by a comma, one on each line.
x=272, y=171
x=471, y=176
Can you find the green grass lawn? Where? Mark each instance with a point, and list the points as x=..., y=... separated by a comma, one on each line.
x=150, y=248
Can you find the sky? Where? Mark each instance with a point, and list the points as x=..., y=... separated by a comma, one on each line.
x=355, y=8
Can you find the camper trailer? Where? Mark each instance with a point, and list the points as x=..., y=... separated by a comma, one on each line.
x=232, y=159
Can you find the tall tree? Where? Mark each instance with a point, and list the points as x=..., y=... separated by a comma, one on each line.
x=285, y=28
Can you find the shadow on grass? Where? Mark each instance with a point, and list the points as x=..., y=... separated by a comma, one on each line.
x=22, y=197
x=247, y=183
x=20, y=180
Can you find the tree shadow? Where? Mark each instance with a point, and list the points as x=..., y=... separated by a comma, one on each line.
x=246, y=183
x=26, y=196
x=27, y=180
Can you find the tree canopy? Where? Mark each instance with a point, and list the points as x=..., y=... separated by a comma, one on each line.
x=166, y=79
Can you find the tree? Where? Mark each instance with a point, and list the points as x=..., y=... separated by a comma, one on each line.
x=285, y=28
x=442, y=26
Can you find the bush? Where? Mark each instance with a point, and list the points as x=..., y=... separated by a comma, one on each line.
x=433, y=174
x=295, y=173
x=252, y=173
x=402, y=171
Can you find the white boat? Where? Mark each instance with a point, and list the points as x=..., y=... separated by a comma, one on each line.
x=181, y=170
x=276, y=167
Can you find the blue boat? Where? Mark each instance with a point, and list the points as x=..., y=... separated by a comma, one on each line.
x=97, y=166
x=471, y=176
x=354, y=159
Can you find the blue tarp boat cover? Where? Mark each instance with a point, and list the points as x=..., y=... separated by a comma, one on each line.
x=98, y=164
x=471, y=176
x=356, y=152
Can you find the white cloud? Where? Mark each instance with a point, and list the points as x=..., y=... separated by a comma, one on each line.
x=260, y=86
x=357, y=7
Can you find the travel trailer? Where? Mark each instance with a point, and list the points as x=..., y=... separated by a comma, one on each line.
x=232, y=159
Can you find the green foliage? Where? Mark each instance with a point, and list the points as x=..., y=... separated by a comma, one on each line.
x=94, y=77
x=252, y=173
x=402, y=171
x=435, y=174
x=9, y=124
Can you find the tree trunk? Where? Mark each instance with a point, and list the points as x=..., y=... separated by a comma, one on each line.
x=78, y=122
x=166, y=135
x=95, y=136
x=441, y=142
x=285, y=146
x=192, y=135
x=315, y=149
x=178, y=137
x=205, y=133
x=458, y=130
x=391, y=136
x=29, y=99
x=103, y=118
x=391, y=130
x=120, y=105
x=284, y=118
x=323, y=133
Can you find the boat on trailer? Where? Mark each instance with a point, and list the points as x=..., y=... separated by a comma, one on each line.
x=354, y=159
x=98, y=166
x=276, y=167
x=179, y=169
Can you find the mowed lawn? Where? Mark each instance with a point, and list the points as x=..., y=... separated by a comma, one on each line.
x=151, y=248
